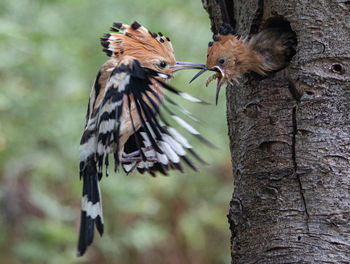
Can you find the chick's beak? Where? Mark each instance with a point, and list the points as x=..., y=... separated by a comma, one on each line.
x=221, y=77
x=182, y=65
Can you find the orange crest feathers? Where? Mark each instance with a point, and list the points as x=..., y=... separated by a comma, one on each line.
x=225, y=43
x=224, y=46
x=238, y=55
x=138, y=42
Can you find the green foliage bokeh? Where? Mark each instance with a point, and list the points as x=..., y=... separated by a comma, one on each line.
x=50, y=54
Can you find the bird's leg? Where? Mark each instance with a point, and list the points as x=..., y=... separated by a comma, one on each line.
x=136, y=153
x=136, y=156
x=135, y=165
x=137, y=159
x=130, y=159
x=132, y=154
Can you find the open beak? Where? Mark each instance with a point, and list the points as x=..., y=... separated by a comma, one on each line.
x=182, y=65
x=221, y=76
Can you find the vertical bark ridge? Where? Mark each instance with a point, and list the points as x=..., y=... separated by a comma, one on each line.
x=295, y=129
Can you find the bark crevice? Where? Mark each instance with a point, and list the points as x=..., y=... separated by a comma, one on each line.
x=227, y=14
x=297, y=175
x=257, y=20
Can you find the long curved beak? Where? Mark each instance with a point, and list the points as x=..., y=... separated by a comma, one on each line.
x=199, y=73
x=183, y=65
x=220, y=82
x=218, y=87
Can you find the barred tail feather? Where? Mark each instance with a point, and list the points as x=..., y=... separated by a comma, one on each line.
x=91, y=206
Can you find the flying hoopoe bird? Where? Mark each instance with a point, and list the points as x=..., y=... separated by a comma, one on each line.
x=231, y=56
x=125, y=117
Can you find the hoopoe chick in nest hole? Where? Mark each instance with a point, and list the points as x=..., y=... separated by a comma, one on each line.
x=128, y=117
x=231, y=56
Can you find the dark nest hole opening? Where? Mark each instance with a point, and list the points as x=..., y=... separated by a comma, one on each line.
x=287, y=38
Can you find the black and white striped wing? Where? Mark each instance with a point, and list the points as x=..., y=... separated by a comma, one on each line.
x=161, y=147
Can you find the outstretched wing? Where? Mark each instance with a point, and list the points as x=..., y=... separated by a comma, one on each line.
x=161, y=147
x=130, y=118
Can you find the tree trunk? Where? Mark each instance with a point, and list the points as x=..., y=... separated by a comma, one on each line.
x=289, y=137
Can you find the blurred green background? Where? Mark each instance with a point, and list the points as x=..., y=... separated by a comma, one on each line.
x=49, y=56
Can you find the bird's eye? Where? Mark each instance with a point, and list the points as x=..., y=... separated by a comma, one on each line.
x=221, y=61
x=162, y=64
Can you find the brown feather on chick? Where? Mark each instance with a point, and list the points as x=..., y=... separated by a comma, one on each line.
x=231, y=56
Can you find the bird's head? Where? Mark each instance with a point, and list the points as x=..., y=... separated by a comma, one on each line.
x=227, y=56
x=152, y=50
x=223, y=59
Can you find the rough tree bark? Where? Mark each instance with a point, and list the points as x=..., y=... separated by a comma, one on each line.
x=289, y=137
